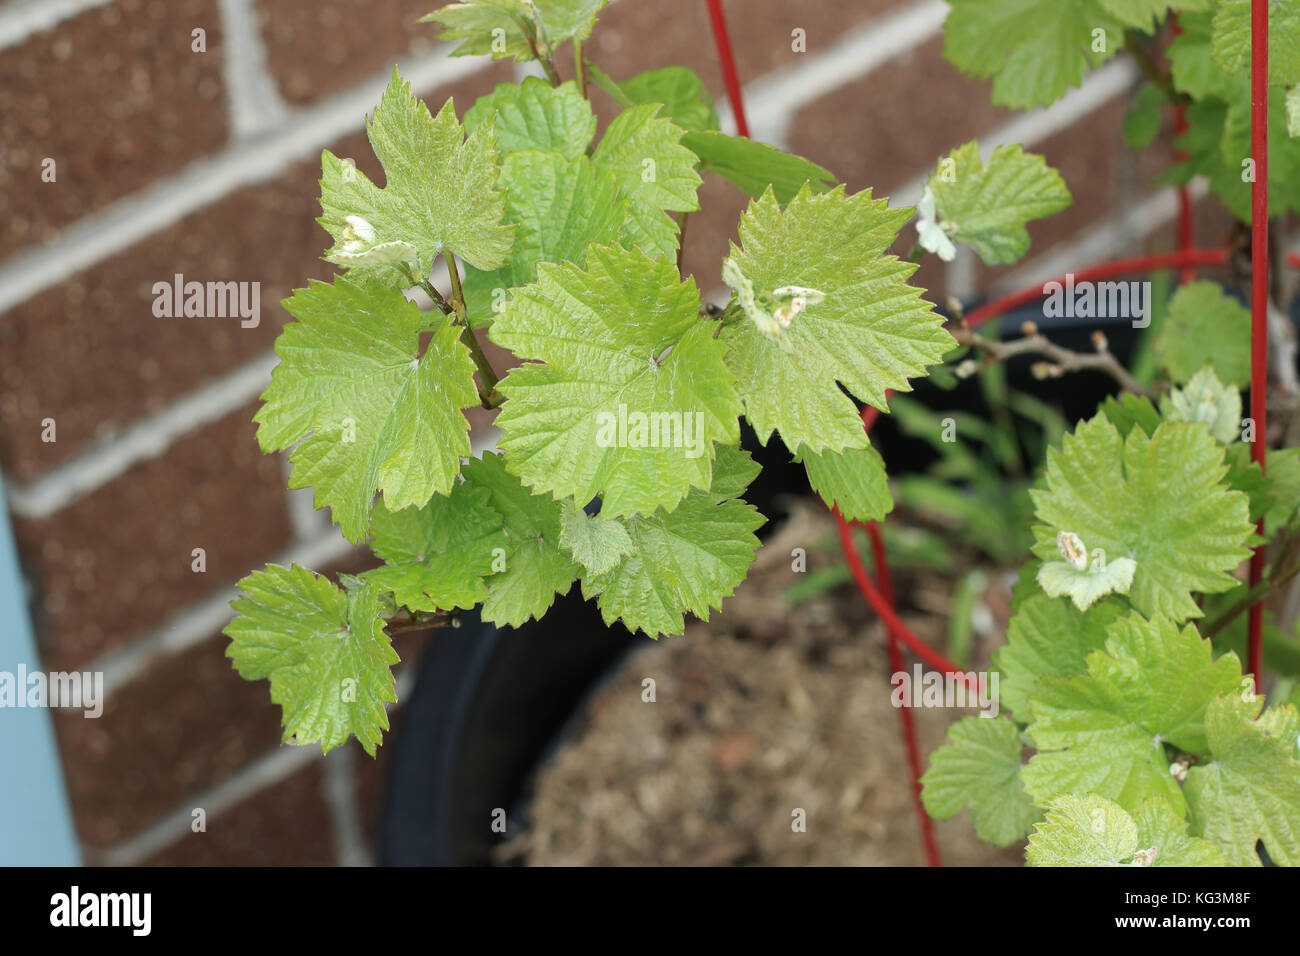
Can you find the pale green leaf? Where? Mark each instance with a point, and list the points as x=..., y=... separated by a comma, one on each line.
x=440, y=191
x=988, y=205
x=1086, y=830
x=854, y=481
x=1250, y=791
x=979, y=768
x=1205, y=326
x=561, y=207
x=596, y=543
x=870, y=332
x=1102, y=732
x=631, y=392
x=1159, y=500
x=437, y=556
x=1047, y=637
x=493, y=26
x=752, y=166
x=1034, y=50
x=535, y=568
x=655, y=171
x=1206, y=401
x=367, y=410
x=535, y=115
x=1086, y=586
x=686, y=560
x=324, y=651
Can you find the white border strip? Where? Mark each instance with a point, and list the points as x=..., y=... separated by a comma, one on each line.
x=21, y=18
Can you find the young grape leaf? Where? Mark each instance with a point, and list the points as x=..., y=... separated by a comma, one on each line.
x=536, y=569
x=632, y=391
x=561, y=207
x=1206, y=401
x=979, y=768
x=1250, y=791
x=437, y=556
x=1127, y=411
x=1047, y=636
x=1142, y=123
x=685, y=99
x=368, y=412
x=440, y=191
x=535, y=115
x=1146, y=15
x=989, y=204
x=871, y=331
x=496, y=27
x=752, y=166
x=854, y=481
x=1158, y=500
x=1205, y=326
x=324, y=651
x=1090, y=830
x=1083, y=831
x=1100, y=732
x=1034, y=50
x=1232, y=39
x=1086, y=586
x=655, y=171
x=684, y=560
x=596, y=543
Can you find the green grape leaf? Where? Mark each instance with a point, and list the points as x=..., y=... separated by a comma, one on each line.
x=368, y=412
x=622, y=409
x=1047, y=636
x=494, y=27
x=1101, y=732
x=437, y=556
x=440, y=192
x=1146, y=15
x=1034, y=50
x=686, y=560
x=655, y=171
x=870, y=331
x=979, y=768
x=1206, y=401
x=1232, y=32
x=1083, y=831
x=535, y=115
x=596, y=543
x=1142, y=122
x=752, y=166
x=324, y=651
x=1093, y=831
x=854, y=481
x=1205, y=326
x=1191, y=59
x=1158, y=500
x=561, y=207
x=535, y=568
x=988, y=205
x=1250, y=791
x=685, y=100
x=1128, y=411
x=1086, y=586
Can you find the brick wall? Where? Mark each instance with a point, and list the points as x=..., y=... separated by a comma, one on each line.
x=205, y=163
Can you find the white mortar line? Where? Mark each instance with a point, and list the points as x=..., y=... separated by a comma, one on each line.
x=338, y=787
x=21, y=18
x=205, y=181
x=273, y=767
x=145, y=438
x=198, y=622
x=777, y=96
x=251, y=93
x=1099, y=88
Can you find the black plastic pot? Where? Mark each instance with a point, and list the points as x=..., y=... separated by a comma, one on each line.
x=488, y=704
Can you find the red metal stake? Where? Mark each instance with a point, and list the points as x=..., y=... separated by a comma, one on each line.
x=1259, y=295
x=728, y=62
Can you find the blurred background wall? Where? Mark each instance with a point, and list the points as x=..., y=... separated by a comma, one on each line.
x=173, y=156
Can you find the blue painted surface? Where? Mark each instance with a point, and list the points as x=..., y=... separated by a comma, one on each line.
x=35, y=821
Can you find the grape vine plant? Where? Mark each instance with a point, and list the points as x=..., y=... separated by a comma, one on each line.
x=619, y=466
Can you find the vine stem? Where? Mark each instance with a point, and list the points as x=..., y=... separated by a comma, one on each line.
x=487, y=387
x=1259, y=299
x=530, y=34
